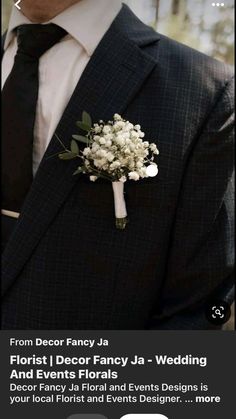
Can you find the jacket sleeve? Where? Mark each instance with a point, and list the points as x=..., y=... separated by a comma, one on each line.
x=201, y=255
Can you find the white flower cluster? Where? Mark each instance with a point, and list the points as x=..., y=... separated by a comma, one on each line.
x=117, y=150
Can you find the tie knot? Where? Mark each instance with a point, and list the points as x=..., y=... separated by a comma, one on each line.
x=35, y=39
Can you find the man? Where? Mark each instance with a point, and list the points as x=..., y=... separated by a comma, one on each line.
x=65, y=266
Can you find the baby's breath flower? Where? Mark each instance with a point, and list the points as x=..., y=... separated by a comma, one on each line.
x=97, y=129
x=117, y=117
x=143, y=172
x=95, y=147
x=96, y=137
x=134, y=134
x=120, y=124
x=101, y=153
x=108, y=143
x=110, y=157
x=114, y=165
x=100, y=163
x=152, y=170
x=86, y=151
x=106, y=129
x=126, y=135
x=154, y=148
x=139, y=164
x=93, y=178
x=134, y=176
x=108, y=137
x=123, y=179
x=120, y=140
x=129, y=126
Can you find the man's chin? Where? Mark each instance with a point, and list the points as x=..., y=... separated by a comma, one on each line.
x=37, y=18
x=42, y=11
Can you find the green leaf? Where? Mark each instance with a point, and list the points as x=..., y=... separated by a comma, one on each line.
x=78, y=171
x=80, y=138
x=74, y=147
x=83, y=126
x=68, y=155
x=86, y=119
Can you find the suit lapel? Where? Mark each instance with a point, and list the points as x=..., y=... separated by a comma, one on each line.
x=113, y=76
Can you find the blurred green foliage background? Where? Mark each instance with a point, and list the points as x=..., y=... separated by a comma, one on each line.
x=193, y=22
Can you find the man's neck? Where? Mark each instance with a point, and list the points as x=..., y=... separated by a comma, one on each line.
x=42, y=15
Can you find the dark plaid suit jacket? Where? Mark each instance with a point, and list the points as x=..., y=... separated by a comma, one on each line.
x=66, y=266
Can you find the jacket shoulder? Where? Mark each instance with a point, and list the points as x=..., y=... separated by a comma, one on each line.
x=192, y=64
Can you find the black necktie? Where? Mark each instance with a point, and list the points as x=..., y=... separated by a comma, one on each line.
x=19, y=100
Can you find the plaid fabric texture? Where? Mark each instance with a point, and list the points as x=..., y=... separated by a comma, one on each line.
x=66, y=266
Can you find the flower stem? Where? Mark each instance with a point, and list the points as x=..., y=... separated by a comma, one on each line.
x=120, y=205
x=121, y=223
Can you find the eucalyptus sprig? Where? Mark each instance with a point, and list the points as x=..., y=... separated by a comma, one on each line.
x=74, y=152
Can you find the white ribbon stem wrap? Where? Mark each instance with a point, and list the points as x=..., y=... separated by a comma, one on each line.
x=120, y=206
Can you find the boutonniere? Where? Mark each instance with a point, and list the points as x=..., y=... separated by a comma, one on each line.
x=114, y=151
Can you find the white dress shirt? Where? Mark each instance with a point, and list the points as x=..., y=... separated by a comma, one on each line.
x=61, y=67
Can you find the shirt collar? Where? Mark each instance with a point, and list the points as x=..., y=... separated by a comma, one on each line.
x=84, y=21
x=17, y=18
